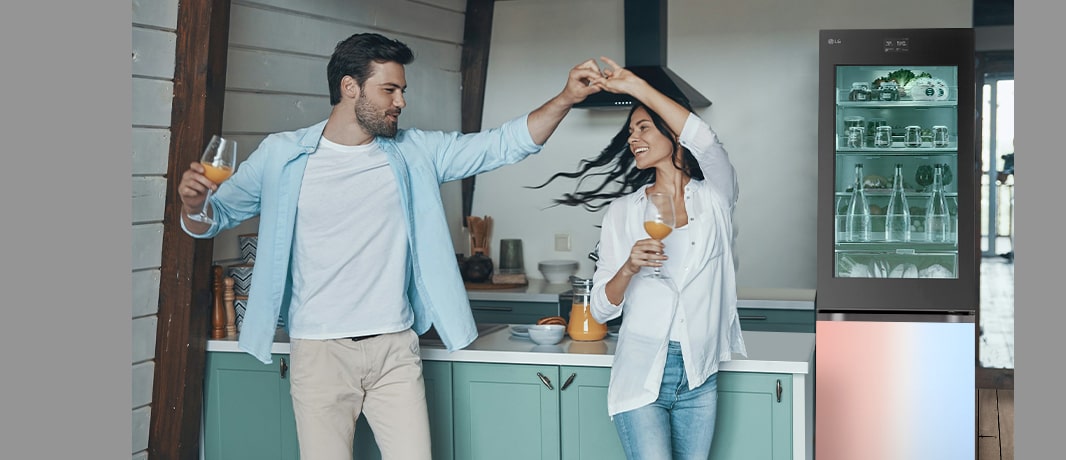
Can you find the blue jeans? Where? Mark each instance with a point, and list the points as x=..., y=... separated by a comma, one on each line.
x=679, y=424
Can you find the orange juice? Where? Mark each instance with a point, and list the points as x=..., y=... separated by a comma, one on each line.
x=657, y=230
x=217, y=174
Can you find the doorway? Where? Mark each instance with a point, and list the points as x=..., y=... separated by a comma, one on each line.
x=995, y=73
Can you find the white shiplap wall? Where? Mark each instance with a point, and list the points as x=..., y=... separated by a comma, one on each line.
x=276, y=74
x=153, y=39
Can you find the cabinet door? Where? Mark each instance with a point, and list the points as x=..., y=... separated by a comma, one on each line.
x=506, y=411
x=247, y=409
x=438, y=378
x=754, y=417
x=587, y=431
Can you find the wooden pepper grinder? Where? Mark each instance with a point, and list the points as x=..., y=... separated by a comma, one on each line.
x=231, y=315
x=218, y=312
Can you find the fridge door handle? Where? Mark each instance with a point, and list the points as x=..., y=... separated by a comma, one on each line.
x=779, y=389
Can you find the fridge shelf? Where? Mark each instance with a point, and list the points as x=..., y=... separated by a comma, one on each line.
x=894, y=150
x=909, y=248
x=897, y=104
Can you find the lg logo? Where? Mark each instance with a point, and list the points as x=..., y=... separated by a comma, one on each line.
x=834, y=41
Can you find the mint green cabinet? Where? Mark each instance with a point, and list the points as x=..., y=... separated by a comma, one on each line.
x=587, y=431
x=247, y=409
x=510, y=312
x=776, y=320
x=533, y=412
x=505, y=411
x=754, y=417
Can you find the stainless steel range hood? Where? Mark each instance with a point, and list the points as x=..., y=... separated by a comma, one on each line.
x=645, y=56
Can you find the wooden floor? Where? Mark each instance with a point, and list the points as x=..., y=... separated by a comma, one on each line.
x=995, y=399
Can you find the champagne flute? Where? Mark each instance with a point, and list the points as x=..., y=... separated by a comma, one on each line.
x=219, y=160
x=659, y=221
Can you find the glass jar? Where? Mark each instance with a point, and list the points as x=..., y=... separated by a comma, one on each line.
x=889, y=91
x=912, y=137
x=883, y=137
x=860, y=91
x=582, y=326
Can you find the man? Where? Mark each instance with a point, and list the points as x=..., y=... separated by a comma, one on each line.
x=353, y=242
x=1008, y=170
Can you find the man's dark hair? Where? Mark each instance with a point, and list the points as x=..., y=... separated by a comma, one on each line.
x=354, y=55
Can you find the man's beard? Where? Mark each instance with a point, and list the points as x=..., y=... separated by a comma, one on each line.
x=368, y=117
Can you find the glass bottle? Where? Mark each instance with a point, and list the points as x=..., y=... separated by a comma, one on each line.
x=582, y=326
x=937, y=218
x=898, y=217
x=858, y=218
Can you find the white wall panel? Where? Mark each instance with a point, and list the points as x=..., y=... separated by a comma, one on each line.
x=152, y=102
x=147, y=245
x=151, y=147
x=455, y=5
x=141, y=420
x=158, y=13
x=142, y=376
x=275, y=30
x=268, y=113
x=145, y=287
x=153, y=53
x=143, y=337
x=271, y=71
x=149, y=198
x=445, y=24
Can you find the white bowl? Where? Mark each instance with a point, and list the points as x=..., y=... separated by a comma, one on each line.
x=558, y=271
x=546, y=334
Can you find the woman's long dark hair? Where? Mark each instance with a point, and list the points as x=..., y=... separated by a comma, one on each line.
x=617, y=166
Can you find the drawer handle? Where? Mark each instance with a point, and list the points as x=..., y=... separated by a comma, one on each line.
x=779, y=390
x=487, y=308
x=545, y=381
x=568, y=381
x=753, y=318
x=284, y=367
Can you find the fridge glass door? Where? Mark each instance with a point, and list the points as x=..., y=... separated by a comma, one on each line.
x=896, y=121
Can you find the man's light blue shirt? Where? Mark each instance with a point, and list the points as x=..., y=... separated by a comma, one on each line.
x=267, y=184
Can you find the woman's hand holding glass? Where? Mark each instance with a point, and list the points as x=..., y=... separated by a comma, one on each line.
x=658, y=222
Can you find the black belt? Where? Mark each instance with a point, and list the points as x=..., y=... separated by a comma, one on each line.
x=356, y=339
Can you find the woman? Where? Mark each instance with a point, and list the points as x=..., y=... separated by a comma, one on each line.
x=663, y=389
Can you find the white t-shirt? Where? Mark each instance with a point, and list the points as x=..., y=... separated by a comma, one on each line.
x=349, y=247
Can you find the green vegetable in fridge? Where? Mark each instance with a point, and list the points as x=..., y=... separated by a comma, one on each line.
x=924, y=175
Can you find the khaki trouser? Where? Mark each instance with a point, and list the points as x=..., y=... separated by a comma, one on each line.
x=333, y=380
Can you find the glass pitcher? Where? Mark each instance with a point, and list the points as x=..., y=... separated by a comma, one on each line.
x=582, y=326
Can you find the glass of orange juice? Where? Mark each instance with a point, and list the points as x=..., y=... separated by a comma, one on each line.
x=659, y=221
x=219, y=160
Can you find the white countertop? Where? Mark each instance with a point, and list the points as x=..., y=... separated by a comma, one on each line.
x=773, y=352
x=537, y=290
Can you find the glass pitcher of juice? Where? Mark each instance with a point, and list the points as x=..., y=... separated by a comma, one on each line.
x=582, y=326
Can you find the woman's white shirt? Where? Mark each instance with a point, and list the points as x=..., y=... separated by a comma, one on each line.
x=702, y=286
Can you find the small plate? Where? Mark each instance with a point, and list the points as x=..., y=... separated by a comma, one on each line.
x=519, y=330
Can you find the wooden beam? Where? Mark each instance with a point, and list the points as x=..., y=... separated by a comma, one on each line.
x=185, y=275
x=477, y=33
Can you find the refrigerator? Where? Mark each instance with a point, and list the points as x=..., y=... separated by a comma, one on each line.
x=897, y=269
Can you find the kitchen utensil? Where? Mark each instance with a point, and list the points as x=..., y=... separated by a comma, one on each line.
x=511, y=260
